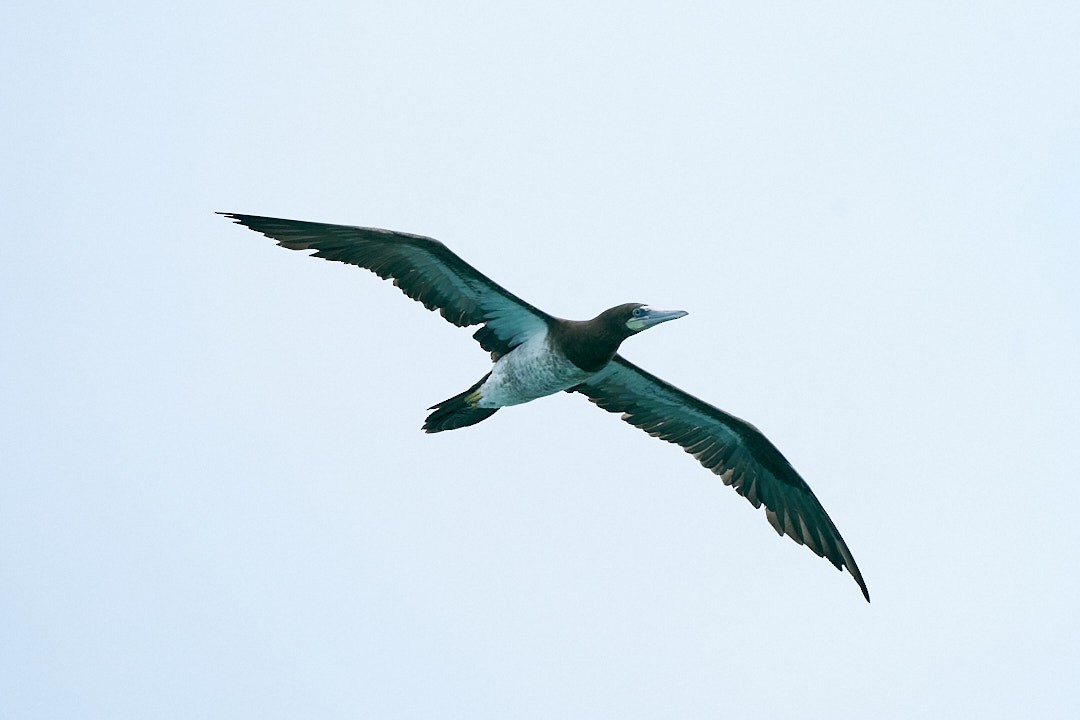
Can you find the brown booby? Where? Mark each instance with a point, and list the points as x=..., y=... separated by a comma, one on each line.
x=536, y=354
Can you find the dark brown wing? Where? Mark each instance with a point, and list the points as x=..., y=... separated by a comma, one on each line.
x=424, y=269
x=732, y=448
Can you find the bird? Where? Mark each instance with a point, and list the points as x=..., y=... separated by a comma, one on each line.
x=535, y=354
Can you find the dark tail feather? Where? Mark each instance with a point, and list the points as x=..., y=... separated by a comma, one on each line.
x=457, y=412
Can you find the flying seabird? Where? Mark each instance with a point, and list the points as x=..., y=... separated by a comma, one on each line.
x=536, y=354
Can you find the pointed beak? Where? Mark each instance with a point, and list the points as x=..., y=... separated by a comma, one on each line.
x=655, y=317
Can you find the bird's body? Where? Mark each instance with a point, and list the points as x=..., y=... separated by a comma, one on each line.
x=536, y=354
x=532, y=370
x=556, y=355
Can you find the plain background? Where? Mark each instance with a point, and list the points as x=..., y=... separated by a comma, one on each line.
x=216, y=501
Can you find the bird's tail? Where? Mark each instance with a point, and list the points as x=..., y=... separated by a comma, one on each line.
x=459, y=411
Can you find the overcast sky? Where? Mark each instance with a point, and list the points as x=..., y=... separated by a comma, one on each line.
x=216, y=500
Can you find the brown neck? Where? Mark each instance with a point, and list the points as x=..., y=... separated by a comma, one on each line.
x=589, y=344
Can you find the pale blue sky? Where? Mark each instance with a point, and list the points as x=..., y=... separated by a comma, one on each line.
x=217, y=502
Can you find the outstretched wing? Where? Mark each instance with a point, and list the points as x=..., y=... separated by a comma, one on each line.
x=732, y=448
x=424, y=269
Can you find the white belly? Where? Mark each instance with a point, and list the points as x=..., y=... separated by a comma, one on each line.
x=527, y=372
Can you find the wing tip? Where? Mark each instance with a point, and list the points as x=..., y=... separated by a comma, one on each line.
x=853, y=569
x=242, y=219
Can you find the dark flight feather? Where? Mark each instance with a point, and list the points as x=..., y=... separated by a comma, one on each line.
x=732, y=448
x=423, y=268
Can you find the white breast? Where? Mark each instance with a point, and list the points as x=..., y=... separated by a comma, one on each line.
x=529, y=371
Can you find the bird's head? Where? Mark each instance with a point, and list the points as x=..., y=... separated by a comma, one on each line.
x=632, y=318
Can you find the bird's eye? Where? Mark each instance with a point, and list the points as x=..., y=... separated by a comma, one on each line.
x=638, y=312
